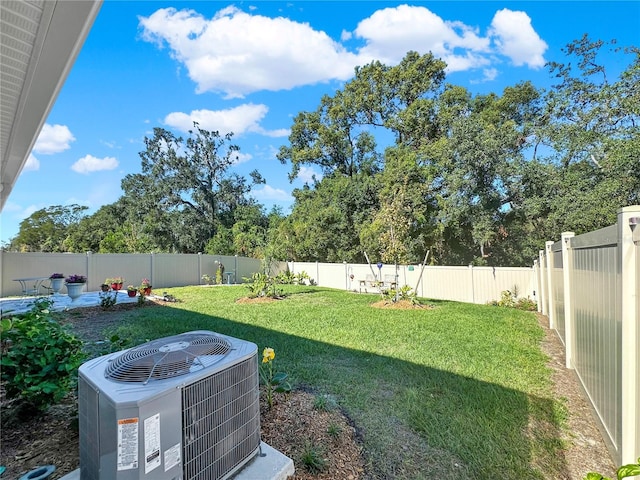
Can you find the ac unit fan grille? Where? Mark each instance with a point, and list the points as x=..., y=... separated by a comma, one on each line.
x=168, y=357
x=221, y=422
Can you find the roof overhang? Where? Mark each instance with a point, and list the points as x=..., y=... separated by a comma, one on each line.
x=39, y=42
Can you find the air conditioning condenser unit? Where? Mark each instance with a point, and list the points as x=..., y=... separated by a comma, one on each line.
x=184, y=407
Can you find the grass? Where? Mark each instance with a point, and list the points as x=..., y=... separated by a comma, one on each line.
x=458, y=391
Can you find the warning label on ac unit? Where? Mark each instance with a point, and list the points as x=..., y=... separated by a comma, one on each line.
x=127, y=443
x=152, y=443
x=172, y=457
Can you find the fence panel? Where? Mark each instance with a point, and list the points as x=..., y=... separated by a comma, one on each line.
x=558, y=289
x=133, y=267
x=38, y=264
x=597, y=300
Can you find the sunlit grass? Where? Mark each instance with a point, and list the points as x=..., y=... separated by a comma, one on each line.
x=457, y=391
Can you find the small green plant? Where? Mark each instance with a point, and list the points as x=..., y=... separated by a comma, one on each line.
x=334, y=430
x=272, y=380
x=630, y=470
x=301, y=278
x=262, y=285
x=312, y=458
x=207, y=279
x=324, y=403
x=509, y=299
x=404, y=293
x=40, y=358
x=286, y=278
x=107, y=299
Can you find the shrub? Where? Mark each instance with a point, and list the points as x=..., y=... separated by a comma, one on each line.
x=40, y=358
x=262, y=285
x=107, y=299
x=509, y=299
x=404, y=293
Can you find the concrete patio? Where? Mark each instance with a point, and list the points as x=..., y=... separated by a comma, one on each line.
x=12, y=305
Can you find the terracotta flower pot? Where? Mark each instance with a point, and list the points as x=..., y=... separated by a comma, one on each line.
x=132, y=293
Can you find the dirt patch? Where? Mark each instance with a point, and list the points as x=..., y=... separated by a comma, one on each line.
x=258, y=299
x=400, y=305
x=585, y=449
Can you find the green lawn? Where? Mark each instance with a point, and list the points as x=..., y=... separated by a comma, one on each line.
x=457, y=391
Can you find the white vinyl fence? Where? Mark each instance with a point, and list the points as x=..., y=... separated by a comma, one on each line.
x=162, y=269
x=464, y=284
x=591, y=294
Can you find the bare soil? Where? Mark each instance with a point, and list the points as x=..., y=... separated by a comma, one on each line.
x=294, y=425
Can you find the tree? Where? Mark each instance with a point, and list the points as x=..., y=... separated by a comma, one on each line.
x=189, y=185
x=46, y=229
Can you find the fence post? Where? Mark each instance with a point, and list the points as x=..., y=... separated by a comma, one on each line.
x=567, y=271
x=152, y=267
x=628, y=223
x=542, y=306
x=473, y=293
x=89, y=260
x=549, y=266
x=199, y=268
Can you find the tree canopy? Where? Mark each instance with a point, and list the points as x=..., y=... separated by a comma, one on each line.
x=408, y=163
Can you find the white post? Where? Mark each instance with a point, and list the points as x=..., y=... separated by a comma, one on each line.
x=473, y=293
x=89, y=269
x=549, y=267
x=199, y=268
x=542, y=305
x=628, y=223
x=567, y=271
x=152, y=267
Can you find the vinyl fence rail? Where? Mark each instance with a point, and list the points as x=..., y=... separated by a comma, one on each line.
x=590, y=290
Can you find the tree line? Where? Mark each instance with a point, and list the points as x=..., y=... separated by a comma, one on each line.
x=410, y=164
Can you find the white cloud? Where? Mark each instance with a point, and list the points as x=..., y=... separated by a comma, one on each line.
x=391, y=32
x=242, y=157
x=238, y=53
x=307, y=174
x=89, y=163
x=32, y=164
x=53, y=139
x=269, y=193
x=515, y=38
x=488, y=74
x=241, y=119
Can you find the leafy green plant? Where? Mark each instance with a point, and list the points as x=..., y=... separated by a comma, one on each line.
x=630, y=470
x=403, y=293
x=273, y=381
x=262, y=285
x=219, y=273
x=286, y=278
x=301, y=278
x=208, y=279
x=312, y=458
x=40, y=357
x=107, y=299
x=509, y=299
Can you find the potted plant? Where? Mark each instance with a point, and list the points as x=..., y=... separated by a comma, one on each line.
x=132, y=291
x=57, y=279
x=116, y=283
x=104, y=287
x=145, y=287
x=75, y=284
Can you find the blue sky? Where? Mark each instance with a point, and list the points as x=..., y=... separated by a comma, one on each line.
x=250, y=67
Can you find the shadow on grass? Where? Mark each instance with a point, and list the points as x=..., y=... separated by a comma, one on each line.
x=416, y=421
